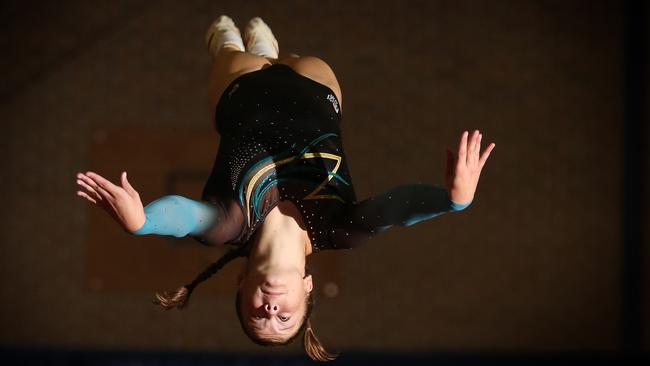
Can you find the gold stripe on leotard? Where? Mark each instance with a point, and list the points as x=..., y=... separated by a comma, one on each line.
x=255, y=178
x=312, y=195
x=251, y=183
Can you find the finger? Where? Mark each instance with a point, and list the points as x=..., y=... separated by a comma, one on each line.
x=462, y=148
x=84, y=195
x=95, y=186
x=104, y=183
x=99, y=190
x=471, y=153
x=89, y=189
x=104, y=204
x=486, y=154
x=478, y=147
x=84, y=178
x=127, y=186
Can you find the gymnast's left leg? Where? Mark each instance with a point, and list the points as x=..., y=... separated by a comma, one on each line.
x=229, y=58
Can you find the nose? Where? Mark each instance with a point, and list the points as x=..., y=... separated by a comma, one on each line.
x=271, y=309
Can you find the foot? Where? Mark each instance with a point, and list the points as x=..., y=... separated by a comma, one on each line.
x=223, y=32
x=260, y=40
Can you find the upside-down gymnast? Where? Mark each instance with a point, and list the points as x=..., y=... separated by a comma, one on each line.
x=280, y=188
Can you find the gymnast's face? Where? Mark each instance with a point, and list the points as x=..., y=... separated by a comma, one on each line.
x=273, y=306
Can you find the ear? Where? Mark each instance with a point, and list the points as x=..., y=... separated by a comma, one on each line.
x=242, y=273
x=240, y=278
x=308, y=283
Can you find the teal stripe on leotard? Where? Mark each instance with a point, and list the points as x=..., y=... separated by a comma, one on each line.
x=262, y=188
x=276, y=157
x=315, y=141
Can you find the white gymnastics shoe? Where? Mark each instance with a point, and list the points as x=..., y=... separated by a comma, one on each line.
x=221, y=32
x=260, y=40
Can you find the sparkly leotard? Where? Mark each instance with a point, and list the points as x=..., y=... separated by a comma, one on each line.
x=281, y=140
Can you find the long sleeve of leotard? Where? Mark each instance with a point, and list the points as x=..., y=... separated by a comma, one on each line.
x=404, y=205
x=179, y=216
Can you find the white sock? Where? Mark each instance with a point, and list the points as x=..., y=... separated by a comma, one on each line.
x=262, y=48
x=260, y=39
x=222, y=32
x=227, y=36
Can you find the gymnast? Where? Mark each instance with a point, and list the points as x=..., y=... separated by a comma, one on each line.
x=280, y=188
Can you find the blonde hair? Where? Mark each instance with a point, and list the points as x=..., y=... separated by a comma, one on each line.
x=313, y=347
x=179, y=299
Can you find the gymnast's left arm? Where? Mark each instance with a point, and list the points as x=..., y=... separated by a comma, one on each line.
x=462, y=172
x=408, y=204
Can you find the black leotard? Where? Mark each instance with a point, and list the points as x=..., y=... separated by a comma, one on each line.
x=281, y=140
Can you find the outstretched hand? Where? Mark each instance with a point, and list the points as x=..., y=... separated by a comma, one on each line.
x=121, y=202
x=462, y=174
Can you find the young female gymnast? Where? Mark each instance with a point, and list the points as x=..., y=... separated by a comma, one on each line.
x=280, y=188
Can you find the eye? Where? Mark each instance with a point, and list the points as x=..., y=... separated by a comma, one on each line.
x=283, y=318
x=256, y=317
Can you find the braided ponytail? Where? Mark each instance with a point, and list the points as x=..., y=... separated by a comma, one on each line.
x=180, y=298
x=313, y=347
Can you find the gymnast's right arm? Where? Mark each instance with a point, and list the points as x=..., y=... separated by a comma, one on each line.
x=169, y=215
x=178, y=216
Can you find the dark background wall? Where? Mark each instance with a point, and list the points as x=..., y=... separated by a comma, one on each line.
x=535, y=265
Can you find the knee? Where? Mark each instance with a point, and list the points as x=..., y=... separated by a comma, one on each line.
x=314, y=67
x=287, y=59
x=316, y=62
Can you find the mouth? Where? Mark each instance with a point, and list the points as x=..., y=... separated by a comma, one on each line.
x=273, y=285
x=272, y=292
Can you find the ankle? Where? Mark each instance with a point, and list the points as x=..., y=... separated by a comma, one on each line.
x=230, y=47
x=223, y=33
